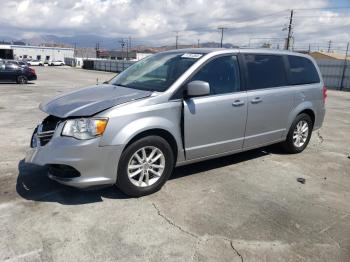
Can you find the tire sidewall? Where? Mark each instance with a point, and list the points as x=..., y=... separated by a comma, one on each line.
x=123, y=181
x=292, y=148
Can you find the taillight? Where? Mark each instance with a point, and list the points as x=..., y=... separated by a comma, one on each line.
x=324, y=93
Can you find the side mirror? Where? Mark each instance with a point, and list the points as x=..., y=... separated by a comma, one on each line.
x=198, y=88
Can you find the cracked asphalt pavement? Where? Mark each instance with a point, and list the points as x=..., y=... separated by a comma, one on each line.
x=244, y=207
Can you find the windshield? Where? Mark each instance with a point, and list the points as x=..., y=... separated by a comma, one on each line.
x=157, y=72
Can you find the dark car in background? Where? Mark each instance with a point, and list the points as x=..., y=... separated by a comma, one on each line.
x=11, y=72
x=15, y=62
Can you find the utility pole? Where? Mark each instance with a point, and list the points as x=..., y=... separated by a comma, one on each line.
x=127, y=50
x=198, y=43
x=222, y=34
x=344, y=67
x=309, y=48
x=329, y=45
x=290, y=27
x=122, y=43
x=97, y=50
x=176, y=39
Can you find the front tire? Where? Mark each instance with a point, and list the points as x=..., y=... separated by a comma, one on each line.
x=22, y=80
x=299, y=134
x=145, y=166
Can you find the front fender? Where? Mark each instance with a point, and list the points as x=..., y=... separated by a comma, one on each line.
x=128, y=132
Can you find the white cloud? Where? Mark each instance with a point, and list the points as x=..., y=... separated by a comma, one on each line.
x=156, y=21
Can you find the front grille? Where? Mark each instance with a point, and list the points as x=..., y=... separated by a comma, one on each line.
x=46, y=129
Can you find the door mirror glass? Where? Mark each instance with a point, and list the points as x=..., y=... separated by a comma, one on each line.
x=198, y=88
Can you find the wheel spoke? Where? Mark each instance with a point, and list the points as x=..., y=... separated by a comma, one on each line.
x=157, y=166
x=156, y=157
x=139, y=159
x=134, y=166
x=141, y=178
x=144, y=157
x=155, y=173
x=147, y=178
x=135, y=173
x=304, y=128
x=154, y=150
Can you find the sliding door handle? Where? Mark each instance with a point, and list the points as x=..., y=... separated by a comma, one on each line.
x=238, y=103
x=256, y=100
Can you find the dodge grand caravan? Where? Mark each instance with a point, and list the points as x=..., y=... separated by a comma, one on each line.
x=175, y=108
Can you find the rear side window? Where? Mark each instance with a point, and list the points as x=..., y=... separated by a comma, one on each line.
x=302, y=71
x=265, y=71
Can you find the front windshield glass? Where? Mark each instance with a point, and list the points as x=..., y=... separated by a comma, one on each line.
x=157, y=72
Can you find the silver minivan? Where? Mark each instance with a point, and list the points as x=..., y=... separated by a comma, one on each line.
x=175, y=108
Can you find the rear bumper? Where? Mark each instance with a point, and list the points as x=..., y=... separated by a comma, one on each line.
x=97, y=165
x=319, y=118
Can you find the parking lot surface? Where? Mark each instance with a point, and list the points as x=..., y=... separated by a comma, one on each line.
x=244, y=207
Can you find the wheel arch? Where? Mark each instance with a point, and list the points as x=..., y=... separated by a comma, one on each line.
x=156, y=132
x=309, y=112
x=306, y=108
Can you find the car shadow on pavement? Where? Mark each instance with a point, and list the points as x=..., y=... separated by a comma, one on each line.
x=33, y=183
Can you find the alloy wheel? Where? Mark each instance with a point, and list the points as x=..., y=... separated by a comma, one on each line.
x=300, y=133
x=146, y=166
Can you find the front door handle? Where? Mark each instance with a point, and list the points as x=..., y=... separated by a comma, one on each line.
x=256, y=100
x=238, y=103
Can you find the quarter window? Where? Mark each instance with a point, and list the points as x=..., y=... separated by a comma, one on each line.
x=302, y=71
x=222, y=74
x=265, y=71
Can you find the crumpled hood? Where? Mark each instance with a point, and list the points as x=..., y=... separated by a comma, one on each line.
x=91, y=100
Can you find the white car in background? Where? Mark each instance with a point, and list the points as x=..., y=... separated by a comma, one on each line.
x=35, y=63
x=56, y=63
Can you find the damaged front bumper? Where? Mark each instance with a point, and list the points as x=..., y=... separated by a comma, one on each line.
x=73, y=162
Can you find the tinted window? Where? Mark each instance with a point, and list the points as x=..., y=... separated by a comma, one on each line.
x=302, y=71
x=222, y=74
x=265, y=71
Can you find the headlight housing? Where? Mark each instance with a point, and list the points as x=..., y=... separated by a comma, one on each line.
x=84, y=128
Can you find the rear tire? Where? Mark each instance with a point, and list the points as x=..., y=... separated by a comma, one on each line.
x=299, y=134
x=145, y=166
x=22, y=80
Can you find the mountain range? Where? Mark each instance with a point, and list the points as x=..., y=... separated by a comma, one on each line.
x=90, y=41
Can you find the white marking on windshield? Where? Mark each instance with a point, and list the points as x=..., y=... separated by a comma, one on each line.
x=188, y=55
